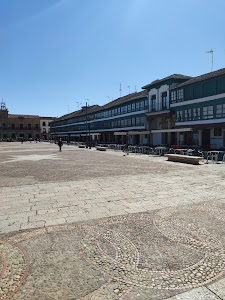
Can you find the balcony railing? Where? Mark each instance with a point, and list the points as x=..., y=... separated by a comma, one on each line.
x=18, y=128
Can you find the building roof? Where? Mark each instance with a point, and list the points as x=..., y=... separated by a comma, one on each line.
x=48, y=118
x=124, y=99
x=201, y=78
x=96, y=108
x=173, y=76
x=79, y=112
x=23, y=116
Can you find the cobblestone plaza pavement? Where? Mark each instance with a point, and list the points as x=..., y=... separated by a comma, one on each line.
x=90, y=225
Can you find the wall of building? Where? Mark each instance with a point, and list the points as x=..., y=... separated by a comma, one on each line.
x=128, y=116
x=45, y=127
x=201, y=105
x=203, y=108
x=14, y=127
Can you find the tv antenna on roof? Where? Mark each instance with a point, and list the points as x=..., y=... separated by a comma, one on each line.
x=211, y=52
x=129, y=88
x=3, y=106
x=120, y=89
x=78, y=105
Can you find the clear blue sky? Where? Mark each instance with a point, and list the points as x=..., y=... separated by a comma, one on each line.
x=55, y=53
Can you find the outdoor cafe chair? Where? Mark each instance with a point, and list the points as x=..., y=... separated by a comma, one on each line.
x=223, y=159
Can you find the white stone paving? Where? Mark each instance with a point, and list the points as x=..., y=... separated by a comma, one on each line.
x=38, y=205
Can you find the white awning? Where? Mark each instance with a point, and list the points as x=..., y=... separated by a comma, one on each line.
x=84, y=134
x=138, y=132
x=172, y=130
x=157, y=113
x=120, y=133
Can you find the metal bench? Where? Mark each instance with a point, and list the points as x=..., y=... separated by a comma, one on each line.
x=194, y=160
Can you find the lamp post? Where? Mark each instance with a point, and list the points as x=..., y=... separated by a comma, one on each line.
x=86, y=127
x=127, y=143
x=89, y=126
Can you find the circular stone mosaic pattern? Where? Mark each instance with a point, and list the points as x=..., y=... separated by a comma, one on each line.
x=122, y=262
x=14, y=264
x=152, y=255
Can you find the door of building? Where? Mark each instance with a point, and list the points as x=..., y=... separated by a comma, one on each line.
x=164, y=138
x=173, y=138
x=224, y=139
x=206, y=139
x=188, y=138
x=136, y=139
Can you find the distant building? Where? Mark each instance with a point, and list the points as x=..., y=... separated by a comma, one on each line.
x=160, y=118
x=199, y=103
x=45, y=127
x=175, y=110
x=13, y=127
x=119, y=121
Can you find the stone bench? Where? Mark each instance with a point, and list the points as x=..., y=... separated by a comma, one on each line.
x=101, y=148
x=194, y=160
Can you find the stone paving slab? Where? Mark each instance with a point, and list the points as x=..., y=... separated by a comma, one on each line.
x=109, y=227
x=152, y=255
x=218, y=288
x=197, y=294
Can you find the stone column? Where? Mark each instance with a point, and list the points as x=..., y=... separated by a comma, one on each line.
x=178, y=138
x=169, y=134
x=200, y=138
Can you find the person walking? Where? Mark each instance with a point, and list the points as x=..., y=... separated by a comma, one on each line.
x=60, y=143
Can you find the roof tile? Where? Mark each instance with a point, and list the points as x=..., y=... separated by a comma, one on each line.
x=96, y=108
x=201, y=78
x=173, y=76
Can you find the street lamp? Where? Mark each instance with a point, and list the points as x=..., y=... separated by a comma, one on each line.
x=86, y=127
x=89, y=127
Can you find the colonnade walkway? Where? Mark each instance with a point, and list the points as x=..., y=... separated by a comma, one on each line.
x=85, y=224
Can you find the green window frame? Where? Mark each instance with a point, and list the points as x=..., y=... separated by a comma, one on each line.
x=207, y=112
x=179, y=116
x=164, y=100
x=196, y=113
x=180, y=94
x=220, y=110
x=153, y=99
x=173, y=96
x=187, y=114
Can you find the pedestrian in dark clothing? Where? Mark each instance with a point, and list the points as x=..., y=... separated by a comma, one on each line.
x=60, y=143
